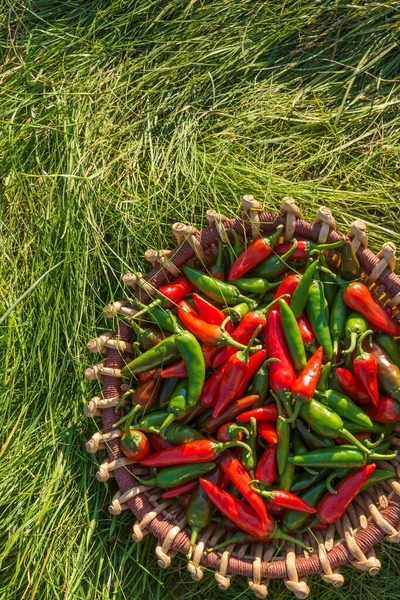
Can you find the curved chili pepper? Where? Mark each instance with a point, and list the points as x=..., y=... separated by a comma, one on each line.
x=281, y=374
x=388, y=344
x=179, y=369
x=293, y=520
x=351, y=385
x=388, y=373
x=177, y=289
x=300, y=294
x=387, y=411
x=230, y=432
x=234, y=409
x=181, y=490
x=344, y=407
x=217, y=270
x=190, y=351
x=200, y=509
x=238, y=371
x=365, y=369
x=267, y=431
x=260, y=384
x=219, y=291
x=181, y=433
x=274, y=265
x=286, y=479
x=192, y=452
x=293, y=336
x=165, y=352
x=287, y=287
x=249, y=459
x=349, y=266
x=304, y=247
x=317, y=312
x=331, y=507
x=266, y=466
x=211, y=314
x=358, y=297
x=305, y=385
x=238, y=475
x=324, y=376
x=257, y=251
x=337, y=321
x=283, y=432
x=211, y=387
x=261, y=413
x=134, y=444
x=306, y=332
x=339, y=457
x=254, y=285
x=170, y=477
x=285, y=500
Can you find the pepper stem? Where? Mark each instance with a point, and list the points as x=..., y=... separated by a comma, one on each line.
x=269, y=495
x=130, y=414
x=383, y=456
x=353, y=343
x=338, y=244
x=146, y=481
x=342, y=282
x=313, y=522
x=295, y=414
x=328, y=483
x=193, y=539
x=272, y=238
x=278, y=534
x=360, y=340
x=235, y=539
x=121, y=400
x=246, y=351
x=265, y=309
x=370, y=444
x=238, y=247
x=139, y=331
x=290, y=251
x=282, y=396
x=146, y=308
x=170, y=419
x=222, y=446
x=349, y=436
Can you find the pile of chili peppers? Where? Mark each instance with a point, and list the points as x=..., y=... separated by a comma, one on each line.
x=264, y=388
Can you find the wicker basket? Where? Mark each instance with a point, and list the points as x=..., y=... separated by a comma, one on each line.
x=374, y=515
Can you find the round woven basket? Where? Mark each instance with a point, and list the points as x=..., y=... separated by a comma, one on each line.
x=374, y=515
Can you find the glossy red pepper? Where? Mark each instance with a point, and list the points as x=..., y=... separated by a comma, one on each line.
x=177, y=289
x=332, y=506
x=358, y=297
x=387, y=411
x=211, y=314
x=266, y=465
x=305, y=385
x=262, y=413
x=143, y=377
x=366, y=371
x=181, y=490
x=257, y=251
x=267, y=431
x=241, y=514
x=179, y=368
x=198, y=451
x=231, y=431
x=351, y=386
x=306, y=331
x=211, y=387
x=238, y=475
x=284, y=499
x=231, y=412
x=281, y=374
x=158, y=443
x=288, y=285
x=241, y=334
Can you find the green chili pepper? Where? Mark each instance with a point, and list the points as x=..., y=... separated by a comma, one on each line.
x=179, y=433
x=200, y=509
x=249, y=459
x=283, y=431
x=355, y=326
x=388, y=344
x=339, y=457
x=260, y=385
x=274, y=265
x=169, y=477
x=293, y=336
x=327, y=423
x=238, y=246
x=156, y=314
x=217, y=290
x=317, y=312
x=323, y=381
x=307, y=479
x=167, y=389
x=238, y=311
x=376, y=427
x=190, y=350
x=217, y=270
x=203, y=417
x=300, y=294
x=312, y=439
x=152, y=422
x=229, y=259
x=337, y=321
x=162, y=354
x=349, y=265
x=286, y=479
x=293, y=519
x=344, y=407
x=331, y=288
x=298, y=444
x=378, y=476
x=254, y=285
x=178, y=407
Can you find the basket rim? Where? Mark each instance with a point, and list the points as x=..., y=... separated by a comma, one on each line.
x=340, y=553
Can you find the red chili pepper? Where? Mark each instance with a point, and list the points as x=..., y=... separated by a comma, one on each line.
x=211, y=387
x=305, y=385
x=230, y=431
x=267, y=431
x=231, y=412
x=287, y=286
x=143, y=377
x=241, y=514
x=358, y=297
x=262, y=413
x=285, y=499
x=332, y=506
x=306, y=331
x=281, y=374
x=366, y=371
x=177, y=289
x=239, y=369
x=211, y=335
x=192, y=452
x=266, y=465
x=158, y=443
x=387, y=411
x=238, y=475
x=181, y=490
x=179, y=369
x=211, y=314
x=351, y=386
x=257, y=251
x=301, y=253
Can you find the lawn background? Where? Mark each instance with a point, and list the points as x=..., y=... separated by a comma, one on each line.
x=117, y=119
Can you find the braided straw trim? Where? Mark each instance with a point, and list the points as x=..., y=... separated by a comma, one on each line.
x=292, y=212
x=293, y=582
x=339, y=553
x=325, y=217
x=97, y=404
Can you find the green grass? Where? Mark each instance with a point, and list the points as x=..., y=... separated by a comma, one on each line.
x=117, y=119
